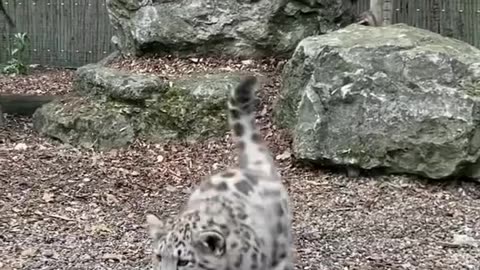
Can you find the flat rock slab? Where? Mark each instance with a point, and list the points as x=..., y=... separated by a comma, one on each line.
x=97, y=80
x=114, y=114
x=397, y=98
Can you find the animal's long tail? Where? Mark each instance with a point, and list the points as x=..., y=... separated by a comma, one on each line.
x=253, y=152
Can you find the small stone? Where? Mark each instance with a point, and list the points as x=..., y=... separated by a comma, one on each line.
x=21, y=147
x=48, y=197
x=283, y=156
x=85, y=257
x=48, y=253
x=29, y=252
x=247, y=62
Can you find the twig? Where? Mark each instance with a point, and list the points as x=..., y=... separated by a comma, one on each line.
x=60, y=217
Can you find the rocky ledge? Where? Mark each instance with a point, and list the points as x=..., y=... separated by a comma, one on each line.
x=111, y=108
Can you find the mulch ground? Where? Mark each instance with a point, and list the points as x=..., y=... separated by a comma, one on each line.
x=68, y=208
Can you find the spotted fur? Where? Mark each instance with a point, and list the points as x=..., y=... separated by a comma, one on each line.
x=238, y=219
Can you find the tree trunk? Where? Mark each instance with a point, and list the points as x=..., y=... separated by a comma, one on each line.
x=376, y=6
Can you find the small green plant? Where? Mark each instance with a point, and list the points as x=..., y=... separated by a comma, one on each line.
x=18, y=55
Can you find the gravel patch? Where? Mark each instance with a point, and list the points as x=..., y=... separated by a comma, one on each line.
x=68, y=208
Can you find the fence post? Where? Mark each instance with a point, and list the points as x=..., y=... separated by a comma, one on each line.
x=387, y=12
x=376, y=7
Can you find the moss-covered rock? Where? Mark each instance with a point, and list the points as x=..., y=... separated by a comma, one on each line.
x=88, y=122
x=190, y=108
x=396, y=97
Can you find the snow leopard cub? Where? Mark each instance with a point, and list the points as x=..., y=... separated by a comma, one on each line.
x=236, y=219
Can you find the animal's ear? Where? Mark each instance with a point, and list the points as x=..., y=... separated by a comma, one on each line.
x=211, y=242
x=155, y=226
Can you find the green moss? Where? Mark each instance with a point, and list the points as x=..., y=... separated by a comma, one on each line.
x=188, y=116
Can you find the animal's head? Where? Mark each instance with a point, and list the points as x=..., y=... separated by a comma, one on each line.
x=185, y=244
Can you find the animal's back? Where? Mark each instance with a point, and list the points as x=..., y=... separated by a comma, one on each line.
x=236, y=219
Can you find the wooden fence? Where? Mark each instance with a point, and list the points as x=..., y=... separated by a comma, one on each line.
x=71, y=33
x=459, y=19
x=64, y=33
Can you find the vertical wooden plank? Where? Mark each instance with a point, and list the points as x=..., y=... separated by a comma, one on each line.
x=435, y=16
x=107, y=31
x=36, y=30
x=42, y=50
x=80, y=32
x=388, y=12
x=73, y=21
x=72, y=43
x=411, y=13
x=94, y=38
x=427, y=12
x=50, y=37
x=418, y=14
x=445, y=19
x=85, y=33
x=459, y=21
x=54, y=30
x=477, y=24
x=65, y=34
x=26, y=13
x=358, y=7
x=468, y=13
x=465, y=19
x=404, y=12
x=98, y=52
x=94, y=33
x=44, y=33
x=28, y=19
x=395, y=11
x=58, y=39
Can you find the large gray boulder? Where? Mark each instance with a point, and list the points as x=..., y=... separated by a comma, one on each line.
x=399, y=98
x=220, y=27
x=112, y=108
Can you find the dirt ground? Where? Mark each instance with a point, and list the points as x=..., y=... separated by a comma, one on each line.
x=68, y=208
